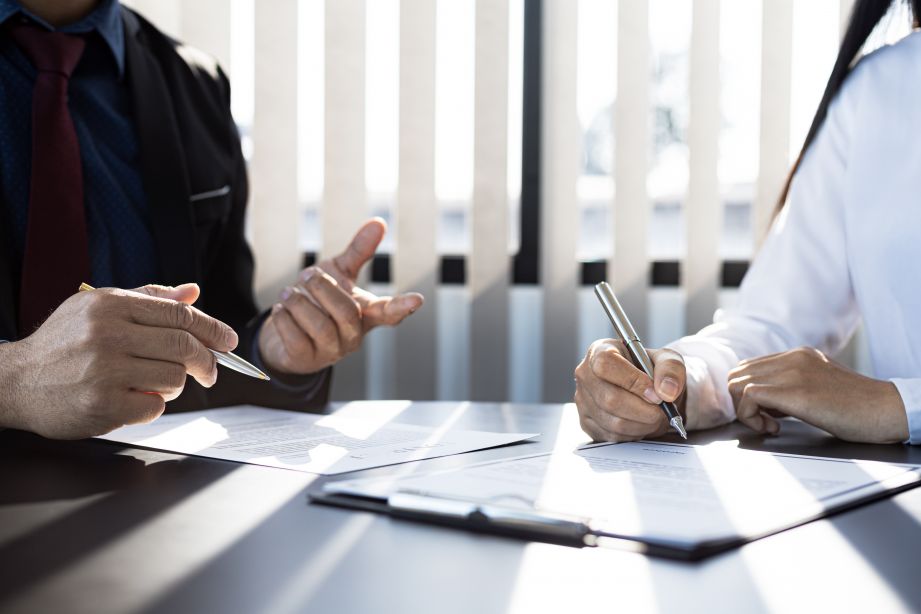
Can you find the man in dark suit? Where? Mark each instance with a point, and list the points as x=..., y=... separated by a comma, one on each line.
x=120, y=165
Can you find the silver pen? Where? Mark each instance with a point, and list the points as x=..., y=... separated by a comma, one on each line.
x=638, y=353
x=228, y=359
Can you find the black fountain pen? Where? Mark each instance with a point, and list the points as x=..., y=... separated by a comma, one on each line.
x=638, y=353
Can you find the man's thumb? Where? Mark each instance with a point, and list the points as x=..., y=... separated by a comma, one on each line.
x=186, y=293
x=362, y=247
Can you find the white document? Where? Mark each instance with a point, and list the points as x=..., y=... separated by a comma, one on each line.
x=672, y=494
x=322, y=444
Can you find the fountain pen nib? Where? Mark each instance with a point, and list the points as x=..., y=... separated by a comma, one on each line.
x=678, y=424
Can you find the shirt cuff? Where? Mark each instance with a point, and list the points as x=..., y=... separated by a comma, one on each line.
x=910, y=389
x=708, y=402
x=704, y=406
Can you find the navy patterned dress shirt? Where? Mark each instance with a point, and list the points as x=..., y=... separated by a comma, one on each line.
x=122, y=251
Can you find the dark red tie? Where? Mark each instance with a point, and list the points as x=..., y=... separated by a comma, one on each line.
x=56, y=257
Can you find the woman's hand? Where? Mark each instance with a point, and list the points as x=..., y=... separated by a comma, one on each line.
x=617, y=401
x=806, y=384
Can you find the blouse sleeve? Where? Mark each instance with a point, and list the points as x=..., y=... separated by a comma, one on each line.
x=797, y=291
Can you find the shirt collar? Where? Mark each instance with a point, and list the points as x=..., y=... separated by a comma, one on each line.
x=104, y=19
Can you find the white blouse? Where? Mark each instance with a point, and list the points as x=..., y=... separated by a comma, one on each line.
x=846, y=247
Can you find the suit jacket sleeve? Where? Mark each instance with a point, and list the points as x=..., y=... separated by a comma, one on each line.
x=227, y=293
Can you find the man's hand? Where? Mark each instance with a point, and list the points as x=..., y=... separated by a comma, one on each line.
x=108, y=358
x=805, y=384
x=617, y=401
x=325, y=316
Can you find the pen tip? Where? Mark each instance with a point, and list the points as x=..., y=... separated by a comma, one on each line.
x=678, y=424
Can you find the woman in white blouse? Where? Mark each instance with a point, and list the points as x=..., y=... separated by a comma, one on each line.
x=845, y=247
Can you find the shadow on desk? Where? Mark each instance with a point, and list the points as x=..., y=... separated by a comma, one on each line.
x=308, y=558
x=34, y=469
x=884, y=533
x=128, y=492
x=345, y=557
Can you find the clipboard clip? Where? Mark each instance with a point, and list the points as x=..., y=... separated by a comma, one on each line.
x=494, y=518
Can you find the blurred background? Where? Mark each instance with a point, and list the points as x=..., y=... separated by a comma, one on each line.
x=521, y=151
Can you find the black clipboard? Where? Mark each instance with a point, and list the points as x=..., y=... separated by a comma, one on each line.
x=573, y=531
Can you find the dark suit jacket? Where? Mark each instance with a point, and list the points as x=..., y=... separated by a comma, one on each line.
x=189, y=146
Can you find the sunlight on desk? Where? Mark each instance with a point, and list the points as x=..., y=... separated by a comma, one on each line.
x=303, y=582
x=560, y=579
x=778, y=568
x=218, y=524
x=569, y=435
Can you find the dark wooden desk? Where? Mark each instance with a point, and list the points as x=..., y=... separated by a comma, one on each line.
x=94, y=527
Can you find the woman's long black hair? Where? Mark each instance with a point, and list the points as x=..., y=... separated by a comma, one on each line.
x=865, y=16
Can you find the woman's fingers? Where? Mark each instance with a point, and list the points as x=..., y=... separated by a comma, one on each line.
x=776, y=385
x=615, y=413
x=670, y=373
x=623, y=405
x=749, y=410
x=617, y=399
x=608, y=362
x=591, y=428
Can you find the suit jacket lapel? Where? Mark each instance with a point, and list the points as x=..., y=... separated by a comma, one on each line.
x=163, y=166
